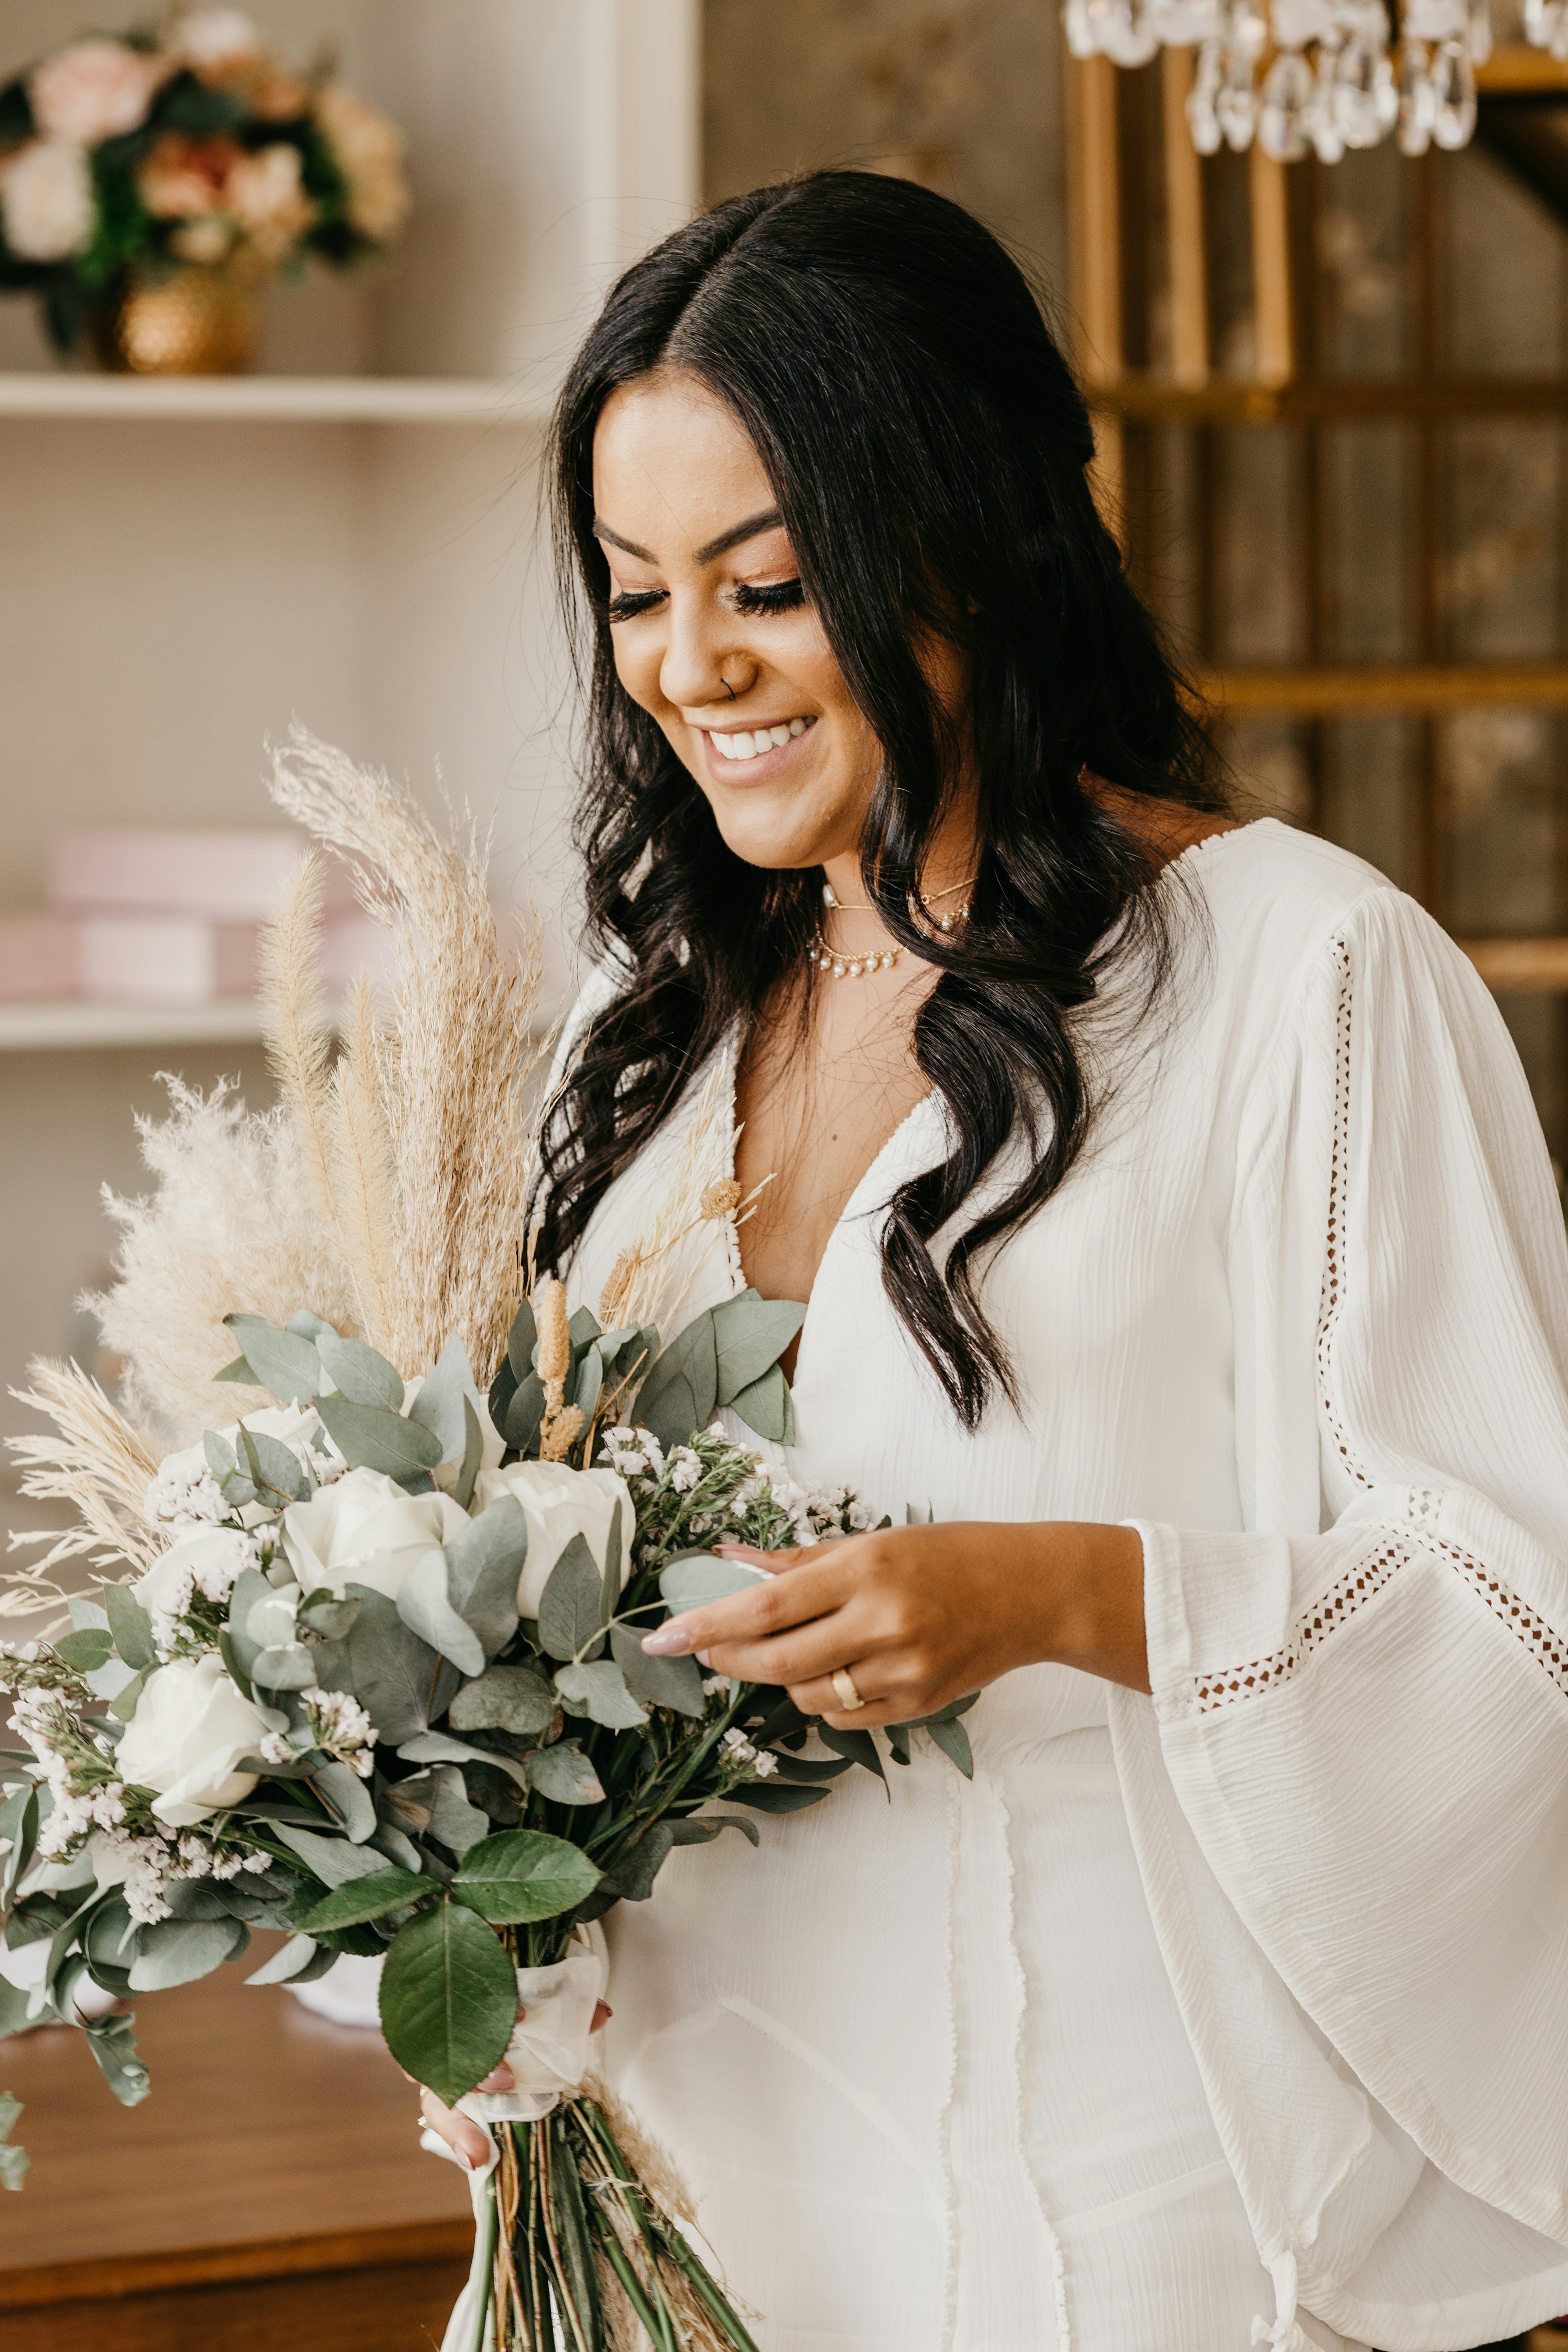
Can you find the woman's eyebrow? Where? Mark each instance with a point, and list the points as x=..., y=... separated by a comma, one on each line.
x=726, y=540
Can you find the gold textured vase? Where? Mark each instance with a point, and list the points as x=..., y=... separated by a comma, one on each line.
x=196, y=322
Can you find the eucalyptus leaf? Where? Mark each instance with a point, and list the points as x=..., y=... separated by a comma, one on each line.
x=178, y=1951
x=16, y=2006
x=130, y=1627
x=703, y=1830
x=281, y=1360
x=449, y=2000
x=423, y=1605
x=522, y=1340
x=473, y=1457
x=222, y=1459
x=524, y=1412
x=112, y=2041
x=582, y=1329
x=361, y=1374
x=359, y=1899
x=325, y=1615
x=112, y=1677
x=569, y=1620
x=438, y=1407
x=696, y=1579
x=399, y=1680
x=308, y=1325
x=334, y=1861
x=953, y=1741
x=523, y=1874
x=435, y=1747
x=124, y=1702
x=436, y=1803
x=85, y=1611
x=85, y=1649
x=273, y=1467
x=766, y=1407
x=750, y=1334
x=563, y=1774
x=680, y=1392
x=633, y=1875
x=610, y=1578
x=858, y=1746
x=340, y=1787
x=504, y=1698
x=600, y=1690
x=239, y=1371
x=284, y=1666
x=370, y=1438
x=484, y=1562
x=286, y=1963
x=230, y=1656
x=588, y=1380
x=393, y=1846
x=662, y=1682
x=19, y=1828
x=250, y=1588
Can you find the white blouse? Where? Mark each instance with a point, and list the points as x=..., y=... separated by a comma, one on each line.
x=1250, y=1999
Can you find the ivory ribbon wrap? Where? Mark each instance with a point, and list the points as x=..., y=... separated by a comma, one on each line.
x=548, y=2054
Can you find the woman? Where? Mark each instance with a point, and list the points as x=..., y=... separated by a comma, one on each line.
x=1179, y=1240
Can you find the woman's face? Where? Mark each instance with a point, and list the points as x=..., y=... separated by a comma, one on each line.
x=712, y=634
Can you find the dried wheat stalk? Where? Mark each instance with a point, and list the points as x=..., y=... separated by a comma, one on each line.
x=364, y=1186
x=99, y=1463
x=295, y=1025
x=452, y=1089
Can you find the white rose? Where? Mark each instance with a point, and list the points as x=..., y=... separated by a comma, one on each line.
x=208, y=1560
x=215, y=40
x=94, y=89
x=559, y=1503
x=297, y=1426
x=46, y=202
x=366, y=1529
x=191, y=1726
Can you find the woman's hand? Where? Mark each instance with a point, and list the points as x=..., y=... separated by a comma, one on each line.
x=468, y=2141
x=919, y=1616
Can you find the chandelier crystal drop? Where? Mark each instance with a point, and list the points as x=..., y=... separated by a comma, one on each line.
x=1315, y=77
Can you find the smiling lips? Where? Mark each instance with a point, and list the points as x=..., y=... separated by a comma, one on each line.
x=755, y=743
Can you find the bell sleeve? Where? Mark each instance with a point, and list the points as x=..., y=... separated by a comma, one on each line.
x=1361, y=1701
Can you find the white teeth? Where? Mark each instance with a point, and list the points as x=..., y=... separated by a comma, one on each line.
x=764, y=738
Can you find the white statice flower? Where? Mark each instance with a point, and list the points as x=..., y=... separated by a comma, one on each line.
x=276, y=1749
x=766, y=1764
x=196, y=1858
x=713, y=1684
x=184, y=1494
x=685, y=1469
x=623, y=1452
x=265, y=192
x=364, y=1529
x=653, y=1449
x=93, y=90
x=341, y=1726
x=47, y=207
x=299, y=1427
x=256, y=1861
x=559, y=1503
x=209, y=1560
x=140, y=1867
x=741, y=1750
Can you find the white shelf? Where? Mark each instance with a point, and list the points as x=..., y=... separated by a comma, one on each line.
x=275, y=399
x=36, y=1028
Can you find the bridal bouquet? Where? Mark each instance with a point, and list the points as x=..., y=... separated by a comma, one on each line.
x=374, y=1677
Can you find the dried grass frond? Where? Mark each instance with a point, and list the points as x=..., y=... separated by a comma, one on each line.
x=365, y=1183
x=232, y=1227
x=695, y=2327
x=462, y=1148
x=99, y=1463
x=295, y=1027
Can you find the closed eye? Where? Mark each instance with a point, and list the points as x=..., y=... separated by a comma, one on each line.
x=631, y=602
x=782, y=596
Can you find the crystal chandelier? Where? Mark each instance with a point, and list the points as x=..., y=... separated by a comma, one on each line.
x=1332, y=82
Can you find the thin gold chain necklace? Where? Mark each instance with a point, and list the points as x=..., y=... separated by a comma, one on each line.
x=855, y=967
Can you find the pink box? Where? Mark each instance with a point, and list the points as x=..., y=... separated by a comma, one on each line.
x=225, y=877
x=39, y=957
x=180, y=960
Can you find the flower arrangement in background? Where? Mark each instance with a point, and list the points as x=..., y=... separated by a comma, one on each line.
x=128, y=161
x=365, y=1663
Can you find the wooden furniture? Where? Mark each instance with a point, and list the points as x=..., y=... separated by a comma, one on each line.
x=1144, y=222
x=271, y=2191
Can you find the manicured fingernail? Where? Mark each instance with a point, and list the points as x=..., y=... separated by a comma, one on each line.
x=667, y=1642
x=703, y=1658
x=465, y=2160
x=501, y=2080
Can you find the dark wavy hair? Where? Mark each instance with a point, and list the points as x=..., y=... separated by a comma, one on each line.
x=928, y=448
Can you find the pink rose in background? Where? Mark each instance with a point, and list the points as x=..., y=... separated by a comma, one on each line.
x=47, y=208
x=184, y=177
x=217, y=42
x=94, y=89
x=264, y=192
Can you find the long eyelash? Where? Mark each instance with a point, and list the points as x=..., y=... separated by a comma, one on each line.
x=626, y=607
x=782, y=598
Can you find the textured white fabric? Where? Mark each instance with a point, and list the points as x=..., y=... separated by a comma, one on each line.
x=1184, y=2008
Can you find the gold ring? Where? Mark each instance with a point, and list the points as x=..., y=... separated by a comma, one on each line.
x=843, y=1683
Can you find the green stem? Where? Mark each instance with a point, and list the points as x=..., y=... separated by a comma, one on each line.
x=486, y=2251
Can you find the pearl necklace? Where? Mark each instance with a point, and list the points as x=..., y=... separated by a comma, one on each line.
x=846, y=967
